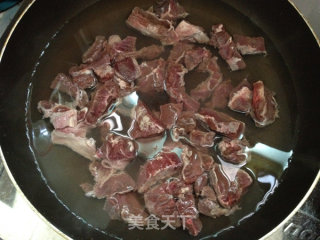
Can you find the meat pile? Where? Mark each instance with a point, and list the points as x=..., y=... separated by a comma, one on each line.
x=187, y=176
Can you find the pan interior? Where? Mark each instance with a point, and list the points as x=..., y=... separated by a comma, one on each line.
x=64, y=170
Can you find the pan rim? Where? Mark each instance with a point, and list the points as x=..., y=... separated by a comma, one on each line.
x=12, y=28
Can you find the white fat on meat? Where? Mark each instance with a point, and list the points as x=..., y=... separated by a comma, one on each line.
x=86, y=147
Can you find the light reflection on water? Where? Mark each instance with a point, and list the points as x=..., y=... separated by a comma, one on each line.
x=273, y=154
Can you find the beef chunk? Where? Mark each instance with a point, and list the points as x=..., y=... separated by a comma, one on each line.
x=96, y=50
x=149, y=52
x=159, y=201
x=264, y=106
x=201, y=139
x=221, y=123
x=64, y=84
x=205, y=88
x=118, y=183
x=192, y=167
x=83, y=76
x=187, y=209
x=117, y=151
x=127, y=69
x=195, y=56
x=241, y=97
x=189, y=32
x=153, y=74
x=150, y=25
x=178, y=51
x=233, y=151
x=120, y=47
x=200, y=182
x=102, y=68
x=222, y=40
x=249, y=45
x=103, y=96
x=220, y=95
x=145, y=124
x=169, y=114
x=229, y=186
x=126, y=207
x=162, y=166
x=175, y=77
x=169, y=9
x=60, y=116
x=213, y=209
x=81, y=145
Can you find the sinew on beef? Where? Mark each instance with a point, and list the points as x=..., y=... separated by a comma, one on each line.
x=222, y=40
x=145, y=124
x=240, y=99
x=264, y=106
x=163, y=165
x=117, y=151
x=221, y=123
x=229, y=187
x=249, y=45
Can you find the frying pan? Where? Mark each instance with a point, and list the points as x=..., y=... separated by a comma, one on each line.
x=48, y=36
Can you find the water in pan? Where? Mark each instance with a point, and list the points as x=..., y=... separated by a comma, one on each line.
x=65, y=170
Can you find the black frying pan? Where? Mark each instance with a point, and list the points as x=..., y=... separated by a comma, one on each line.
x=51, y=35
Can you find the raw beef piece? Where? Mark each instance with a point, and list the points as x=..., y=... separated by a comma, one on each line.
x=153, y=74
x=249, y=45
x=126, y=207
x=221, y=123
x=103, y=96
x=127, y=69
x=178, y=52
x=149, y=53
x=117, y=183
x=195, y=56
x=190, y=216
x=187, y=121
x=240, y=99
x=160, y=202
x=81, y=145
x=100, y=173
x=222, y=40
x=169, y=9
x=96, y=50
x=201, y=139
x=208, y=192
x=83, y=76
x=220, y=95
x=212, y=208
x=192, y=167
x=150, y=25
x=64, y=84
x=229, y=186
x=60, y=116
x=264, y=106
x=200, y=182
x=189, y=104
x=205, y=88
x=117, y=151
x=164, y=165
x=144, y=124
x=169, y=114
x=175, y=76
x=233, y=151
x=189, y=32
x=119, y=47
x=102, y=68
x=206, y=161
